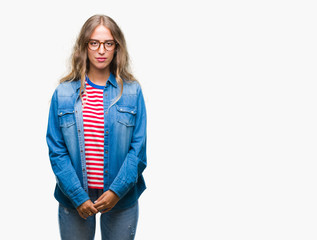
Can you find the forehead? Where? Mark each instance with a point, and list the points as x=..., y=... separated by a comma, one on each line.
x=101, y=33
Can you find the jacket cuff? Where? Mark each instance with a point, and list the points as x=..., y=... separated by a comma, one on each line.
x=79, y=197
x=119, y=189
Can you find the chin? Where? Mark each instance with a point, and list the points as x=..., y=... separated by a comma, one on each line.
x=100, y=66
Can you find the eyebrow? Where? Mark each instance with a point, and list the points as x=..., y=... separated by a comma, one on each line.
x=101, y=41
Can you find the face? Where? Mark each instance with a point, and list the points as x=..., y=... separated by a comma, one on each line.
x=101, y=58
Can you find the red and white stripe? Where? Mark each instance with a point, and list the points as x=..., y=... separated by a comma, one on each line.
x=93, y=117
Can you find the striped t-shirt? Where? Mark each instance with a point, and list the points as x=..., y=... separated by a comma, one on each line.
x=93, y=118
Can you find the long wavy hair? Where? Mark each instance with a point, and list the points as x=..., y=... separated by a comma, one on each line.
x=120, y=64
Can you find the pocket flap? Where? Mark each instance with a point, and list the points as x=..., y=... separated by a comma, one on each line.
x=126, y=109
x=66, y=117
x=62, y=112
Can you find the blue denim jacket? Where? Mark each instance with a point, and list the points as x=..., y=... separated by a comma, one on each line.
x=124, y=147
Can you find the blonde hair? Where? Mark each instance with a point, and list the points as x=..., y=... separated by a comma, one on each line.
x=119, y=65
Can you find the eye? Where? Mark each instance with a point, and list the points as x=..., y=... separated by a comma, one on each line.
x=93, y=43
x=109, y=43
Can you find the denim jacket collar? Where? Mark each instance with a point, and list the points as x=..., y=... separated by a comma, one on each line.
x=112, y=80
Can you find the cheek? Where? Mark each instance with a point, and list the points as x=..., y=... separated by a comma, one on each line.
x=111, y=56
x=89, y=55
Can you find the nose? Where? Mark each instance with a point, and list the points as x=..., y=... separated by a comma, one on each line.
x=101, y=49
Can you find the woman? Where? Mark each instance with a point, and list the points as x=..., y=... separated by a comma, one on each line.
x=97, y=137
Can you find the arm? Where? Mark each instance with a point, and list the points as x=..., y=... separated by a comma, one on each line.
x=135, y=161
x=66, y=176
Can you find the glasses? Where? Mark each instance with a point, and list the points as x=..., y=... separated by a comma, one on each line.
x=94, y=45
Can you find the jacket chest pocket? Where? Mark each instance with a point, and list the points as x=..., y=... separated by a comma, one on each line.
x=66, y=117
x=126, y=115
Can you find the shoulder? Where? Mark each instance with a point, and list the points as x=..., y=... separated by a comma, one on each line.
x=131, y=87
x=68, y=88
x=65, y=94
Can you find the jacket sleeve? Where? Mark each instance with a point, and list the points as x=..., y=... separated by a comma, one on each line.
x=66, y=177
x=135, y=161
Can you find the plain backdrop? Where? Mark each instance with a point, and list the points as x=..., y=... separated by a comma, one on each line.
x=230, y=90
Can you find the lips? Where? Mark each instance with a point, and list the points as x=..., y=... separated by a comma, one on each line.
x=101, y=59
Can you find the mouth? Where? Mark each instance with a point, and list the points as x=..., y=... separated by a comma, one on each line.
x=101, y=59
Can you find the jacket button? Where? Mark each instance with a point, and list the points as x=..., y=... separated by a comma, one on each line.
x=106, y=151
x=107, y=132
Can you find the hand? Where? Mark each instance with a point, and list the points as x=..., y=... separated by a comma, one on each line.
x=87, y=209
x=106, y=201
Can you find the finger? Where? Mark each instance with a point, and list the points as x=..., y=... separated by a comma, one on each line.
x=86, y=212
x=106, y=210
x=103, y=206
x=92, y=209
x=82, y=215
x=98, y=204
x=101, y=198
x=89, y=214
x=100, y=208
x=98, y=200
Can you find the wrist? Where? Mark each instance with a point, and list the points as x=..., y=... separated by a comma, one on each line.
x=114, y=193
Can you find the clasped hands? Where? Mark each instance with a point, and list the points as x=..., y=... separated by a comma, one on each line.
x=103, y=204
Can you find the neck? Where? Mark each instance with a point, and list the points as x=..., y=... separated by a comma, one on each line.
x=99, y=77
